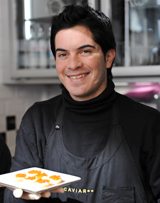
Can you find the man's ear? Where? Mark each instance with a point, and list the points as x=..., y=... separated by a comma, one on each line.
x=110, y=56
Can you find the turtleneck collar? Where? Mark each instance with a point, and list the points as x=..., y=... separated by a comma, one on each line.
x=103, y=101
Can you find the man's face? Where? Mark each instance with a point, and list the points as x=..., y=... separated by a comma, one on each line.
x=80, y=63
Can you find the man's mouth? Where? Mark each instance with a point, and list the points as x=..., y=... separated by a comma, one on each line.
x=80, y=76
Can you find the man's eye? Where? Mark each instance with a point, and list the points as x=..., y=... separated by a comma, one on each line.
x=61, y=55
x=86, y=52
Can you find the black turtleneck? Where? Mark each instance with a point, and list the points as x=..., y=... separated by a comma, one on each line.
x=86, y=123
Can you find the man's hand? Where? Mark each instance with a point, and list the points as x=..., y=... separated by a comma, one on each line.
x=19, y=193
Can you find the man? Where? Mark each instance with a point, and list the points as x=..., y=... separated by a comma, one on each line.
x=90, y=130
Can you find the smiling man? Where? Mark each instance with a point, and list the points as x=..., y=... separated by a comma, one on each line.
x=90, y=130
x=80, y=62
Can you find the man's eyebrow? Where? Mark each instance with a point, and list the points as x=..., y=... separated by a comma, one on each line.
x=60, y=49
x=87, y=46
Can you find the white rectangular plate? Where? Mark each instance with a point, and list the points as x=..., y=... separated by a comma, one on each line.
x=11, y=181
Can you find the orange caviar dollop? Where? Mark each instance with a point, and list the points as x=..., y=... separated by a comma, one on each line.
x=55, y=177
x=42, y=180
x=20, y=175
x=38, y=172
x=31, y=178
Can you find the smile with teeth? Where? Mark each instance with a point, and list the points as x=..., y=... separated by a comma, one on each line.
x=77, y=76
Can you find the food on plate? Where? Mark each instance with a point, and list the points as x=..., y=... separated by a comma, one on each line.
x=56, y=179
x=35, y=180
x=38, y=178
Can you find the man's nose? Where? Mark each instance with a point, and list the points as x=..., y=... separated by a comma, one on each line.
x=74, y=62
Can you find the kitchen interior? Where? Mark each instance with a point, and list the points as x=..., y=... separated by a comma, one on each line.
x=27, y=68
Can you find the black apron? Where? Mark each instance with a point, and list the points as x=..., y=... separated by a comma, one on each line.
x=109, y=177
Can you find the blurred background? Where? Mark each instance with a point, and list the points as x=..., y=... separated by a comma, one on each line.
x=27, y=68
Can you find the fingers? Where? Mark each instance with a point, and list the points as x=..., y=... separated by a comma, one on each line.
x=59, y=190
x=18, y=193
x=32, y=196
x=46, y=194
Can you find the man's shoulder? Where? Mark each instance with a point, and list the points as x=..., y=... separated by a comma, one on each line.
x=133, y=108
x=46, y=107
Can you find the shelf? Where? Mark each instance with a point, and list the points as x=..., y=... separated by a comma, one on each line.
x=34, y=73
